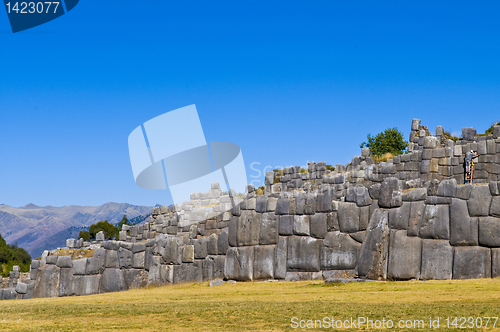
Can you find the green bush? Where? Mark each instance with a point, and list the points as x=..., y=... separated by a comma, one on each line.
x=110, y=231
x=330, y=168
x=388, y=141
x=11, y=255
x=122, y=222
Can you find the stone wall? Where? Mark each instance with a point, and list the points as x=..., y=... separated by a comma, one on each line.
x=407, y=218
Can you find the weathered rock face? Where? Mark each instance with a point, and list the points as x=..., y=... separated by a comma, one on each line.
x=408, y=218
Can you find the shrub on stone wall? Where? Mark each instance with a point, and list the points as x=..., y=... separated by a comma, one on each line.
x=11, y=255
x=390, y=140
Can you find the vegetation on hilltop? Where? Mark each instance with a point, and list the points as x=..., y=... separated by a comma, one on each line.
x=11, y=255
x=110, y=231
x=389, y=141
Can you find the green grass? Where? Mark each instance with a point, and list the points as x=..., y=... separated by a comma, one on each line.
x=253, y=306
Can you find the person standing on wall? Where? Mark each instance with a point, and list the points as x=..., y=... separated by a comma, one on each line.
x=469, y=165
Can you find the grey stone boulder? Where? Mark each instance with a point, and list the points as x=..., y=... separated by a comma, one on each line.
x=495, y=206
x=280, y=257
x=47, y=281
x=468, y=133
x=348, y=216
x=301, y=225
x=8, y=293
x=489, y=231
x=285, y=226
x=324, y=202
x=437, y=260
x=138, y=247
x=463, y=229
x=71, y=243
x=239, y=264
x=415, y=194
x=374, y=190
x=263, y=265
x=64, y=261
x=339, y=252
x=200, y=248
x=269, y=229
x=66, y=282
x=21, y=288
x=435, y=223
x=479, y=201
x=139, y=259
x=318, y=225
x=303, y=254
x=125, y=258
x=447, y=188
x=212, y=244
x=113, y=280
x=248, y=229
x=136, y=278
x=282, y=206
x=80, y=266
x=99, y=236
x=405, y=255
x=95, y=264
x=52, y=259
x=464, y=191
x=112, y=259
x=399, y=217
x=223, y=242
x=417, y=210
x=372, y=263
x=389, y=195
x=471, y=263
x=495, y=262
x=261, y=203
x=187, y=253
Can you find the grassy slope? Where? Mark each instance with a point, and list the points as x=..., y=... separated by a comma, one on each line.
x=252, y=306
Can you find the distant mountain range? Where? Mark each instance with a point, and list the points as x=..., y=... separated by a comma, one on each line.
x=37, y=228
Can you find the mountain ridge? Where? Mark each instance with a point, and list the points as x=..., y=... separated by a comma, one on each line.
x=35, y=228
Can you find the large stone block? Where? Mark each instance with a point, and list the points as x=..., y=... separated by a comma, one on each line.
x=404, y=256
x=388, y=193
x=463, y=229
x=80, y=266
x=339, y=252
x=66, y=282
x=372, y=263
x=435, y=222
x=468, y=133
x=318, y=225
x=280, y=257
x=112, y=259
x=416, y=214
x=303, y=254
x=269, y=229
x=437, y=260
x=479, y=201
x=187, y=253
x=136, y=278
x=261, y=204
x=248, y=228
x=348, y=215
x=324, y=202
x=282, y=206
x=200, y=248
x=64, y=261
x=310, y=204
x=399, y=217
x=471, y=263
x=495, y=262
x=464, y=191
x=447, y=188
x=139, y=260
x=285, y=226
x=212, y=244
x=112, y=280
x=173, y=251
x=125, y=258
x=223, y=242
x=416, y=194
x=47, y=281
x=95, y=264
x=239, y=264
x=263, y=264
x=489, y=231
x=301, y=225
x=495, y=206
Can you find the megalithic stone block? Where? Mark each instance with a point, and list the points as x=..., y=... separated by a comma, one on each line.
x=404, y=256
x=435, y=222
x=280, y=257
x=47, y=281
x=479, y=201
x=348, y=215
x=399, y=217
x=269, y=229
x=489, y=231
x=263, y=265
x=463, y=229
x=113, y=280
x=239, y=263
x=303, y=254
x=372, y=263
x=437, y=260
x=339, y=252
x=471, y=263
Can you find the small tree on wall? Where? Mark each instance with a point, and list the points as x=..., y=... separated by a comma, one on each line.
x=389, y=141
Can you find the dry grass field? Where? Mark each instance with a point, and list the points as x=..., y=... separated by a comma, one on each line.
x=258, y=306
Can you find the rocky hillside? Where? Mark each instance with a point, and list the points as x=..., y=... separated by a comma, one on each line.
x=35, y=227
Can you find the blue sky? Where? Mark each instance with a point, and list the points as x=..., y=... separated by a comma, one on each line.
x=289, y=81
